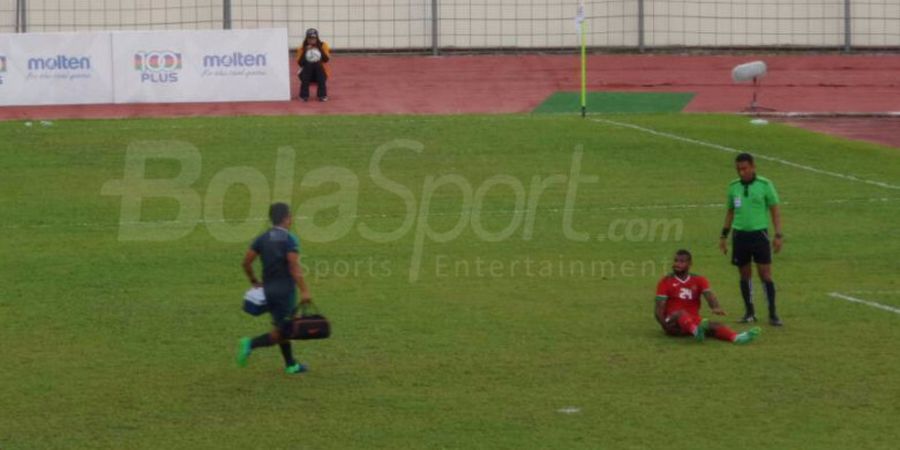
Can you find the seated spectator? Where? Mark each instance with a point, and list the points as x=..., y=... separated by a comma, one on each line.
x=313, y=57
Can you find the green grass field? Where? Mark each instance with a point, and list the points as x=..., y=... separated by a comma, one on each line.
x=118, y=340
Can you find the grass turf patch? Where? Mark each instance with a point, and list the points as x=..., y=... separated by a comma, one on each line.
x=121, y=343
x=616, y=102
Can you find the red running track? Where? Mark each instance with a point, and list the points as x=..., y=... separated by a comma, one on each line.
x=518, y=83
x=884, y=131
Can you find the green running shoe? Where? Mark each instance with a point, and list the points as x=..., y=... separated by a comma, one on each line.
x=700, y=331
x=295, y=369
x=747, y=336
x=243, y=352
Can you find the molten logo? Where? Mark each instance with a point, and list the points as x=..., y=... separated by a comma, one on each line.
x=236, y=59
x=59, y=62
x=159, y=66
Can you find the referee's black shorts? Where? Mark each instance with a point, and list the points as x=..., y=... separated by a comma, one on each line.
x=281, y=298
x=747, y=246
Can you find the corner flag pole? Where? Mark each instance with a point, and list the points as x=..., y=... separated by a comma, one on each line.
x=579, y=24
x=583, y=76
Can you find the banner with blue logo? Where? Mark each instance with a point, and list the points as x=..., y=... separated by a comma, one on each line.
x=55, y=69
x=201, y=66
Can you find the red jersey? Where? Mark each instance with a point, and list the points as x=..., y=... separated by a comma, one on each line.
x=681, y=294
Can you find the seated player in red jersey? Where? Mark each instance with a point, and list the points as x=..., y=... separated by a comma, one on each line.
x=678, y=305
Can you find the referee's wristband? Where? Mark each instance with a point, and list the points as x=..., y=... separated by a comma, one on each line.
x=725, y=232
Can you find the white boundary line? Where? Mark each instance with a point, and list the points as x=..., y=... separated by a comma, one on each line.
x=874, y=292
x=494, y=212
x=864, y=302
x=824, y=115
x=757, y=155
x=770, y=114
x=722, y=205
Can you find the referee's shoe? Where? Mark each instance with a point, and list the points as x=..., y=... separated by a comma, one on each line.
x=773, y=320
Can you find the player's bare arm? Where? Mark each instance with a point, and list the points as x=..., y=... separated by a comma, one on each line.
x=247, y=264
x=713, y=303
x=723, y=240
x=297, y=273
x=776, y=221
x=660, y=313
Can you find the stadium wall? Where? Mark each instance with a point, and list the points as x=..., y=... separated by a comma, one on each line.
x=477, y=24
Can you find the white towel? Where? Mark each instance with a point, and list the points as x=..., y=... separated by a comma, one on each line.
x=256, y=296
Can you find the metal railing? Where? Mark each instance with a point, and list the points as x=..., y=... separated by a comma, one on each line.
x=447, y=25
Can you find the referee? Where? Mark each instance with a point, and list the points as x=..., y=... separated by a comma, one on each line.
x=752, y=199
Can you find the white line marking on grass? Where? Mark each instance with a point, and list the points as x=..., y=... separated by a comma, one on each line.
x=875, y=292
x=722, y=205
x=870, y=200
x=494, y=212
x=569, y=410
x=757, y=155
x=682, y=206
x=864, y=302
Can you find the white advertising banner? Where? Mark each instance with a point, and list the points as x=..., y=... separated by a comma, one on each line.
x=55, y=69
x=201, y=66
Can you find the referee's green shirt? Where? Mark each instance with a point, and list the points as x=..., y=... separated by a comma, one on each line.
x=751, y=203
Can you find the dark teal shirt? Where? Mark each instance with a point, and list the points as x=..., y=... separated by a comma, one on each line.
x=273, y=247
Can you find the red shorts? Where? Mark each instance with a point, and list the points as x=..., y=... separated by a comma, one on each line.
x=672, y=328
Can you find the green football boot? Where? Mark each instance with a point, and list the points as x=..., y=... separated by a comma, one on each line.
x=295, y=369
x=700, y=331
x=244, y=350
x=747, y=336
